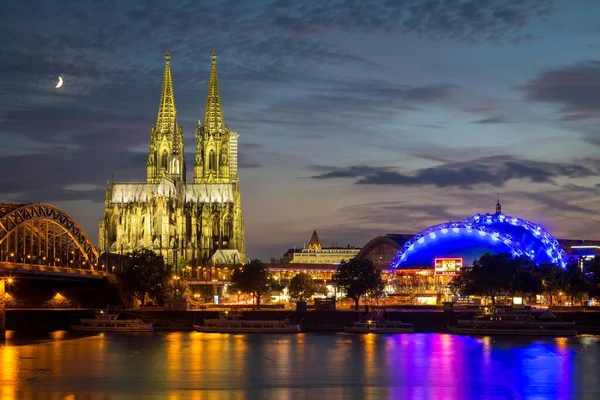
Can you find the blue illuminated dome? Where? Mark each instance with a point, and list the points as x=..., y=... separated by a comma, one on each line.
x=472, y=237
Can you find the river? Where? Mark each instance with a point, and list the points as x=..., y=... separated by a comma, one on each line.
x=189, y=365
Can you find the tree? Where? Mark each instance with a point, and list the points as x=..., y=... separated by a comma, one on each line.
x=554, y=279
x=576, y=284
x=253, y=278
x=146, y=273
x=178, y=288
x=302, y=287
x=357, y=278
x=494, y=275
x=592, y=273
x=526, y=282
x=489, y=276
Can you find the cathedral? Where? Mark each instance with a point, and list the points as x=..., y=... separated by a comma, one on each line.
x=188, y=223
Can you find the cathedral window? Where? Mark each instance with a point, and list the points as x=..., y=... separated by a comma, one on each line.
x=228, y=227
x=216, y=228
x=212, y=161
x=164, y=160
x=175, y=168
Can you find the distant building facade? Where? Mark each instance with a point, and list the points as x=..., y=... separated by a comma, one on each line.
x=185, y=222
x=315, y=253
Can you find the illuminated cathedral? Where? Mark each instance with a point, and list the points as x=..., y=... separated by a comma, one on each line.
x=185, y=222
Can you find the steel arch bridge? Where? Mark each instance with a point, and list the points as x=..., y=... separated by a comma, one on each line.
x=42, y=235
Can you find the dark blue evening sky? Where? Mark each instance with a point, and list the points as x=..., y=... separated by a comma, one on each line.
x=356, y=118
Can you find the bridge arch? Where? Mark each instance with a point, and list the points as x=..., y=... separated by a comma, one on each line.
x=42, y=234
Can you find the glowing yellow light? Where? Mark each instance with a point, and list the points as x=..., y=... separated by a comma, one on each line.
x=10, y=280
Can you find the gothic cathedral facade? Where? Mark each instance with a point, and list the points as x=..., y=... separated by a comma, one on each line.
x=185, y=222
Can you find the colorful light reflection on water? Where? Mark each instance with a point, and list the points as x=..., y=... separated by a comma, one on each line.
x=183, y=365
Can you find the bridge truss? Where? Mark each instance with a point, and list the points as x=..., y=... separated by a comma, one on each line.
x=41, y=234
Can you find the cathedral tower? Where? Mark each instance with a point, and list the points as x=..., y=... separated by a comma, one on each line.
x=166, y=157
x=216, y=145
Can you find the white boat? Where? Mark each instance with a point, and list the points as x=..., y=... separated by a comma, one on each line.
x=233, y=323
x=112, y=322
x=514, y=322
x=374, y=323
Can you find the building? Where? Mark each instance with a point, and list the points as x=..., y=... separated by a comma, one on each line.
x=420, y=266
x=315, y=253
x=186, y=222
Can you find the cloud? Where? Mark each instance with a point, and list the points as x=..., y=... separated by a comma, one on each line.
x=574, y=88
x=492, y=121
x=496, y=170
x=398, y=214
x=244, y=162
x=479, y=110
x=555, y=201
x=339, y=104
x=63, y=175
x=470, y=20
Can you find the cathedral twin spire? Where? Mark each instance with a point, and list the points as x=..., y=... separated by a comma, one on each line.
x=166, y=155
x=213, y=113
x=167, y=113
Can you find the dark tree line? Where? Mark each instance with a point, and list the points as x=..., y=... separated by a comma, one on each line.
x=495, y=275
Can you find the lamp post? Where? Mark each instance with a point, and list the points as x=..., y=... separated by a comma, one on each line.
x=3, y=281
x=2, y=312
x=175, y=284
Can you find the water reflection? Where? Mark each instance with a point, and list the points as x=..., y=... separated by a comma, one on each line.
x=184, y=365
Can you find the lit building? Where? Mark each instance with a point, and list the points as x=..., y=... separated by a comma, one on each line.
x=185, y=222
x=315, y=253
x=420, y=266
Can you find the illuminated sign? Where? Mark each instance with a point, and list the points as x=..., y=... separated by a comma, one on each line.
x=448, y=266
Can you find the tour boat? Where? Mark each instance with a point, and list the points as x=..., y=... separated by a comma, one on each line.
x=514, y=322
x=233, y=323
x=112, y=322
x=374, y=323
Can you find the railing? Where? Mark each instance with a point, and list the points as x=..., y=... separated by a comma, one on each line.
x=193, y=281
x=49, y=269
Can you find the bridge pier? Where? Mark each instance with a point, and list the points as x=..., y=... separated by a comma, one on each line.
x=2, y=311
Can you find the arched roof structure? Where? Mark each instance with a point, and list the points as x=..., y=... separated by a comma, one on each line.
x=479, y=234
x=382, y=249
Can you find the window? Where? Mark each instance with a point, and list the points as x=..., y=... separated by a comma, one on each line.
x=228, y=227
x=216, y=228
x=164, y=161
x=212, y=161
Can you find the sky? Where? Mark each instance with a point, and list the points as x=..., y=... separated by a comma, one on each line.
x=356, y=118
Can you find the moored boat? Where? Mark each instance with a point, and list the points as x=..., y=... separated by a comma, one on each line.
x=374, y=323
x=514, y=322
x=112, y=322
x=233, y=323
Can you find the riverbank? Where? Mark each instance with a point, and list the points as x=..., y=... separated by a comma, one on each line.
x=44, y=320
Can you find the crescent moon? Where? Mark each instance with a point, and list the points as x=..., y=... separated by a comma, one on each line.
x=60, y=82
